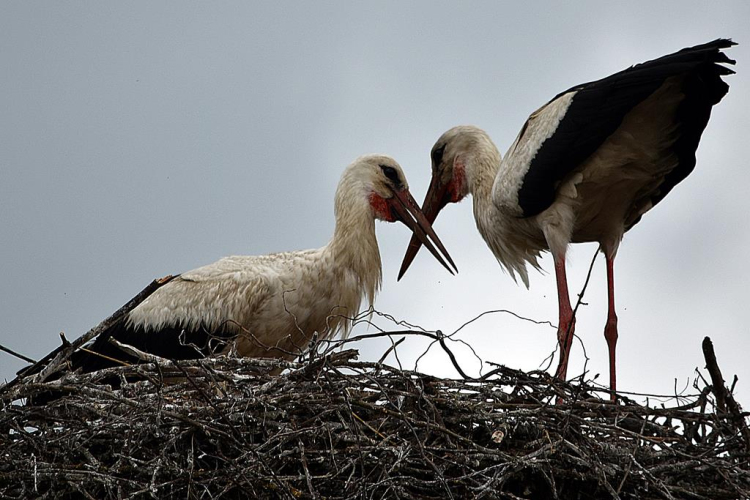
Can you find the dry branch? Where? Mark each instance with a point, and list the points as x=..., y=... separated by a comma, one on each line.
x=53, y=361
x=724, y=398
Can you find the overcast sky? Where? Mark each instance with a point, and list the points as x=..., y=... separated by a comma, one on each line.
x=148, y=138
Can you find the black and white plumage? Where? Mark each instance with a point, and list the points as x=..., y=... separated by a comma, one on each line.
x=271, y=305
x=586, y=166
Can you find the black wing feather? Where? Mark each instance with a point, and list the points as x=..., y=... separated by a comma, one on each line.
x=170, y=342
x=598, y=108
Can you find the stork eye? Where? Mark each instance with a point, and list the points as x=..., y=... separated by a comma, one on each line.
x=437, y=155
x=391, y=173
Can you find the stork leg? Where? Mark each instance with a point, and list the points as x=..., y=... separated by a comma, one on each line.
x=610, y=329
x=566, y=324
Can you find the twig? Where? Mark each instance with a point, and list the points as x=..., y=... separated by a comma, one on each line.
x=54, y=360
x=717, y=381
x=137, y=353
x=18, y=355
x=724, y=400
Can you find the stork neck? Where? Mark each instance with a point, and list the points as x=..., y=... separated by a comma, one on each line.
x=354, y=246
x=481, y=175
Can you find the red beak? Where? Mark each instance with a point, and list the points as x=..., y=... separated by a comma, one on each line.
x=437, y=197
x=405, y=206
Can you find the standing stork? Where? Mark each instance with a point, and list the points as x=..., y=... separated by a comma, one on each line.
x=271, y=305
x=585, y=167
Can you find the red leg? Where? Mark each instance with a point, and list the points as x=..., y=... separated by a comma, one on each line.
x=610, y=329
x=566, y=324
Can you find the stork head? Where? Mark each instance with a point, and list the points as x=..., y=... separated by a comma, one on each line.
x=453, y=157
x=386, y=191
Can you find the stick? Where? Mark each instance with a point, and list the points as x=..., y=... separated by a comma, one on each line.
x=52, y=361
x=18, y=355
x=717, y=381
x=724, y=399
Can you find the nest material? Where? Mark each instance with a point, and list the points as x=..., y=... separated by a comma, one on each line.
x=333, y=427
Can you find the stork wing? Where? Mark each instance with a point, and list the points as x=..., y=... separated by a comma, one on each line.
x=570, y=127
x=190, y=317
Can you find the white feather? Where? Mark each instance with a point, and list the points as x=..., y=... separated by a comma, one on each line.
x=540, y=126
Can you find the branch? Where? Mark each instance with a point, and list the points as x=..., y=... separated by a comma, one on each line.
x=18, y=355
x=43, y=368
x=717, y=381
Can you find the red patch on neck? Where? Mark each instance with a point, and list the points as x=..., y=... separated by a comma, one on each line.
x=381, y=208
x=458, y=182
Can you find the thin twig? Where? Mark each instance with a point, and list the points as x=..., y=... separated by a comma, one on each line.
x=16, y=354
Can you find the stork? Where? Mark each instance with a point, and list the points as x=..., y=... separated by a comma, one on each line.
x=585, y=167
x=271, y=305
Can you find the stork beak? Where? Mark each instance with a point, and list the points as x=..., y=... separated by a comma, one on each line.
x=437, y=197
x=405, y=206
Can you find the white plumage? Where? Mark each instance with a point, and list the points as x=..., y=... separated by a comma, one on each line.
x=586, y=166
x=271, y=305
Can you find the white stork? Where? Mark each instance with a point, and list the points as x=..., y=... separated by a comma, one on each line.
x=585, y=167
x=271, y=305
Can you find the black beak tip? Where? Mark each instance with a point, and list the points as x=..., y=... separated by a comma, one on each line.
x=402, y=271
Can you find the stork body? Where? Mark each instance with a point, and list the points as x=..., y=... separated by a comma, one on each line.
x=586, y=166
x=271, y=305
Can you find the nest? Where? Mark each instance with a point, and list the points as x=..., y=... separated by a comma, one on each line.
x=333, y=427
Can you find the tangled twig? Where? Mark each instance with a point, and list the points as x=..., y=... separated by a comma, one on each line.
x=335, y=427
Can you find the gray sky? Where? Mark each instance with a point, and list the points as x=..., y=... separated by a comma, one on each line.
x=143, y=139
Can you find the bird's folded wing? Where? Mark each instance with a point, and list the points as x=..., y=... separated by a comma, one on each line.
x=568, y=129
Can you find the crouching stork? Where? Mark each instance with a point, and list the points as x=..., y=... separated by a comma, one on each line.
x=271, y=305
x=586, y=166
